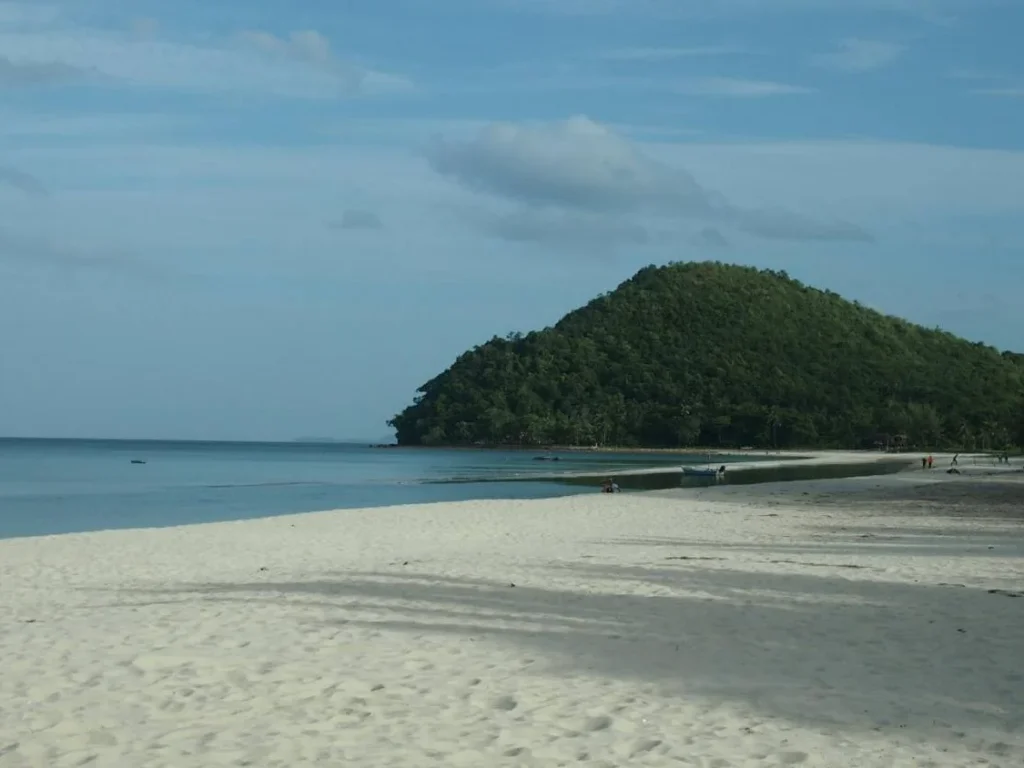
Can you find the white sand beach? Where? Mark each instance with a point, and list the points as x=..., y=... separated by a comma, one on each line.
x=869, y=622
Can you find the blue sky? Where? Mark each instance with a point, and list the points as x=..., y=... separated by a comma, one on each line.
x=261, y=220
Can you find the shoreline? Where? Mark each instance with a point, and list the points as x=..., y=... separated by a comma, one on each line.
x=754, y=473
x=864, y=621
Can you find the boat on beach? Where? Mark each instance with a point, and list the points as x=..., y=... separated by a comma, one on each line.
x=703, y=471
x=706, y=471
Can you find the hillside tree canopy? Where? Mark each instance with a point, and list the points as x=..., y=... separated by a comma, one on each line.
x=709, y=354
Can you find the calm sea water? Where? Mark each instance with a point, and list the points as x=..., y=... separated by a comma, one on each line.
x=62, y=486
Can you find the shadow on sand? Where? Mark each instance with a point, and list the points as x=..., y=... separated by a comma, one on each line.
x=934, y=662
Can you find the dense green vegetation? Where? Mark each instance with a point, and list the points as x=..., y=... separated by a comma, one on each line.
x=711, y=354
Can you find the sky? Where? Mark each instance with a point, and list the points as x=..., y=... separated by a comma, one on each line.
x=261, y=220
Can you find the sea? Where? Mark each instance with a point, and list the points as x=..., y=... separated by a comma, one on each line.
x=64, y=486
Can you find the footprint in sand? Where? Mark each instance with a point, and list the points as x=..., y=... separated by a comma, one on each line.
x=103, y=738
x=643, y=746
x=505, y=703
x=237, y=678
x=792, y=758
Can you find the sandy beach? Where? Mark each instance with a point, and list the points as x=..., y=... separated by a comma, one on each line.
x=859, y=622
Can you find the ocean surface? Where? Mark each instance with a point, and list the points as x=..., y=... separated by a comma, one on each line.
x=63, y=486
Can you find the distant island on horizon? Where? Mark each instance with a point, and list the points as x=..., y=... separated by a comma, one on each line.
x=711, y=354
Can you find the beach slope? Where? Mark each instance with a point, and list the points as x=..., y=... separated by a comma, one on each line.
x=863, y=622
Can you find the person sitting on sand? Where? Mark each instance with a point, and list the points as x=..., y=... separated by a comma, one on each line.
x=609, y=486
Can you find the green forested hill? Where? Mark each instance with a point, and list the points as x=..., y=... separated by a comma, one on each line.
x=712, y=354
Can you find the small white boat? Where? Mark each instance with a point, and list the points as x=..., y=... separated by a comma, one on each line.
x=702, y=471
x=708, y=471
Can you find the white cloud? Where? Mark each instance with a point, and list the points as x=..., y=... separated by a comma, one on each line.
x=300, y=65
x=414, y=132
x=307, y=45
x=737, y=88
x=859, y=55
x=581, y=167
x=576, y=163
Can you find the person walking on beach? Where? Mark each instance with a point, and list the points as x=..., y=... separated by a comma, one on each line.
x=924, y=462
x=953, y=463
x=930, y=461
